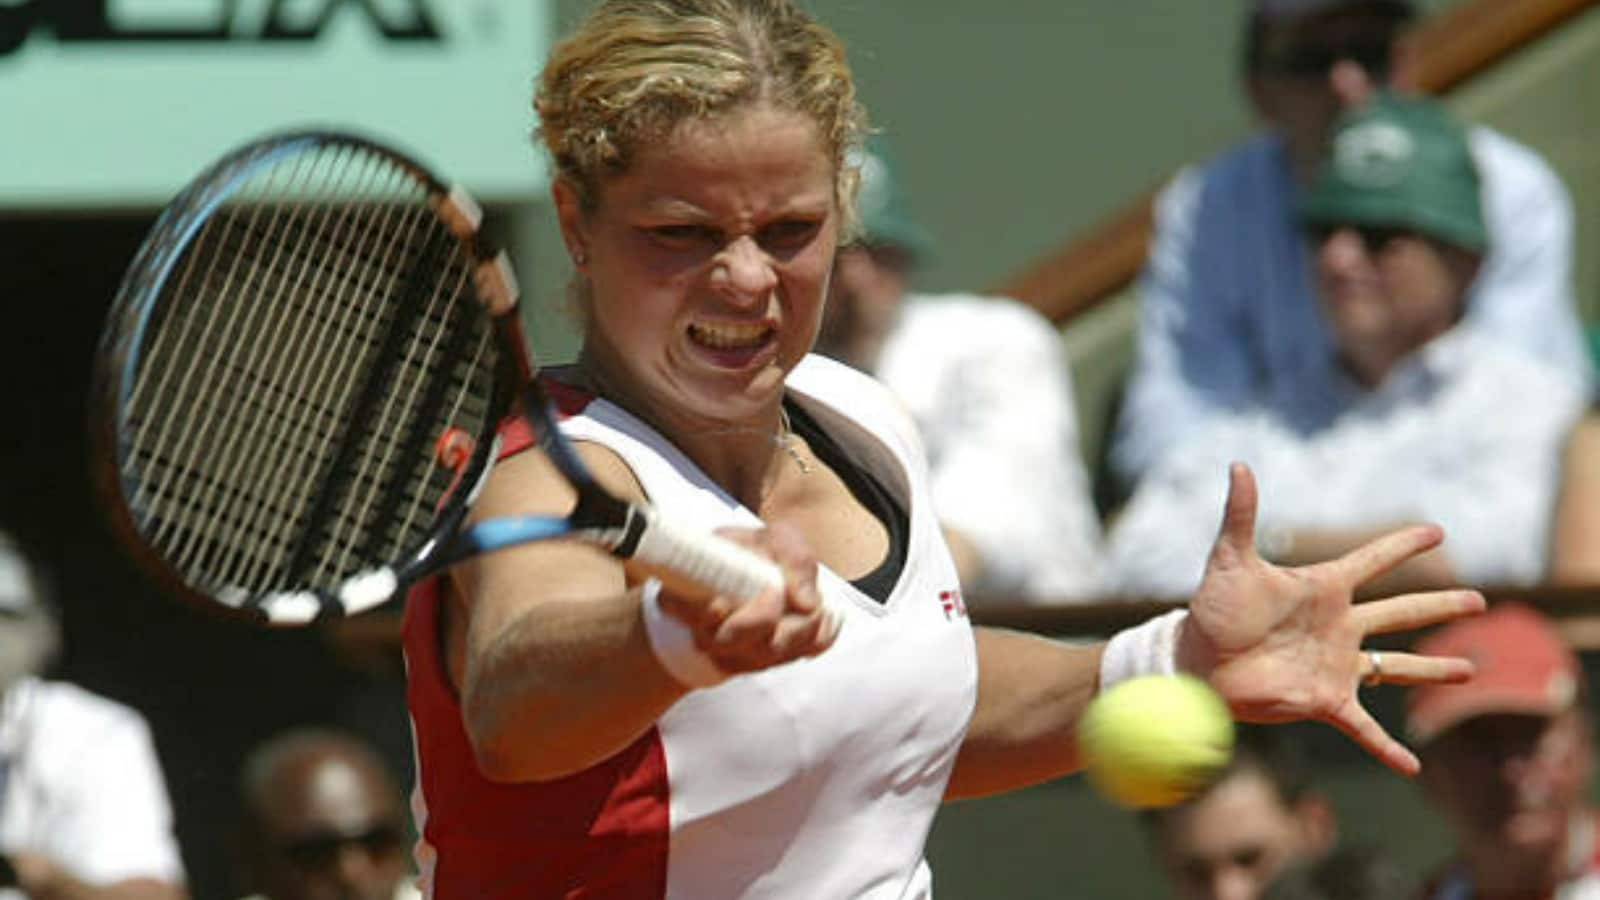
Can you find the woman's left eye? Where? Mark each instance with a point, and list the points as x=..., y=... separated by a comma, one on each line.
x=789, y=233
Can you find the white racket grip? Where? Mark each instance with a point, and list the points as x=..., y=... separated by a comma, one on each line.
x=707, y=560
x=717, y=563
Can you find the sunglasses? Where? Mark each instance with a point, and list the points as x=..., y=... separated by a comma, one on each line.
x=320, y=850
x=1375, y=238
x=1314, y=61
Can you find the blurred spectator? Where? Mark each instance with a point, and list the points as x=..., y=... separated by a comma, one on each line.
x=1507, y=757
x=987, y=381
x=84, y=811
x=323, y=818
x=1425, y=419
x=1344, y=874
x=1257, y=819
x=1229, y=321
x=1575, y=535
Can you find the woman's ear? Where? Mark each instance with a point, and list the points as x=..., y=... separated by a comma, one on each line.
x=569, y=214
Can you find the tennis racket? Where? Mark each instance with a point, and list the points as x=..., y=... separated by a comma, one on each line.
x=300, y=382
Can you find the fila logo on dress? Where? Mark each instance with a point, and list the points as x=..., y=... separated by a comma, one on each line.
x=952, y=604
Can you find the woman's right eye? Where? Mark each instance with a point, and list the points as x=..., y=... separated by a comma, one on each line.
x=683, y=235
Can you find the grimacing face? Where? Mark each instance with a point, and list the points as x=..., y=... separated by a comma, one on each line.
x=708, y=262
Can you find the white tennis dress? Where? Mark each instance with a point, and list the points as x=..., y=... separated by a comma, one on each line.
x=815, y=779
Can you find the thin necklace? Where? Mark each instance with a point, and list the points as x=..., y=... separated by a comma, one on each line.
x=786, y=439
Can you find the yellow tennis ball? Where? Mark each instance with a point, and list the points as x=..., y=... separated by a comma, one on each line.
x=1155, y=740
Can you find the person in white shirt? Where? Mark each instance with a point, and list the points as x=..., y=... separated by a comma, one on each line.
x=1420, y=417
x=323, y=820
x=1228, y=316
x=988, y=384
x=84, y=812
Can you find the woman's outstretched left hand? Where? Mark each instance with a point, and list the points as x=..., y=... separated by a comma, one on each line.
x=1282, y=644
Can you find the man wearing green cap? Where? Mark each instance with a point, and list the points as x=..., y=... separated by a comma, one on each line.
x=1227, y=311
x=1425, y=419
x=987, y=382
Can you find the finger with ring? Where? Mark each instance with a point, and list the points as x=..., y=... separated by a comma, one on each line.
x=1375, y=674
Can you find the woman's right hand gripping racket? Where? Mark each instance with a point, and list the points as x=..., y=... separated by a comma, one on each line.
x=299, y=386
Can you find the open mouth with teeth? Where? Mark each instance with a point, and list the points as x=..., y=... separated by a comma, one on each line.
x=733, y=343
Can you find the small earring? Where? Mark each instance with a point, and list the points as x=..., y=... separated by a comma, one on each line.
x=579, y=257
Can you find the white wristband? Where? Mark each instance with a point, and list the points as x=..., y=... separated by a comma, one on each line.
x=674, y=645
x=1149, y=648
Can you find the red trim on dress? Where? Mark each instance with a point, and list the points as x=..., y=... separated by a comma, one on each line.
x=516, y=435
x=602, y=832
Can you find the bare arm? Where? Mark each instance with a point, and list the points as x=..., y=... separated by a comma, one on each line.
x=1575, y=537
x=1031, y=693
x=557, y=677
x=546, y=641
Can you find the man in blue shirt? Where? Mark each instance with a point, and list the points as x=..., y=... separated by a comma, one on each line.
x=1229, y=320
x=1420, y=417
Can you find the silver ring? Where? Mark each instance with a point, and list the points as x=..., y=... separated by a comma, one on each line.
x=1376, y=675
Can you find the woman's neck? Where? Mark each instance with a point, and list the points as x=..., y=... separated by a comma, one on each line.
x=745, y=457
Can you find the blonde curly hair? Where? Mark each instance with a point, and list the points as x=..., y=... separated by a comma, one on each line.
x=637, y=69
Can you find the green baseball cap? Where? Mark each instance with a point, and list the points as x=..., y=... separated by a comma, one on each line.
x=1400, y=163
x=885, y=218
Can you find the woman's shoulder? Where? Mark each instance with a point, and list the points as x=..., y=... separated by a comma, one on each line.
x=840, y=386
x=857, y=396
x=576, y=406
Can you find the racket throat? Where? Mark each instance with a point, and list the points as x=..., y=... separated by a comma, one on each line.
x=613, y=524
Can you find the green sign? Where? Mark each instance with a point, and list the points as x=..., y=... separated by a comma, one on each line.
x=118, y=103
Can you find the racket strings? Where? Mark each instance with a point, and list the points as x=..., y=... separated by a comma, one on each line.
x=269, y=329
x=299, y=414
x=211, y=446
x=332, y=365
x=421, y=349
x=185, y=390
x=400, y=483
x=247, y=361
x=469, y=404
x=384, y=476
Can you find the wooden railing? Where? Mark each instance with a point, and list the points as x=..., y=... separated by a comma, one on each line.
x=1445, y=50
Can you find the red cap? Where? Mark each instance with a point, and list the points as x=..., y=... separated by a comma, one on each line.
x=1523, y=666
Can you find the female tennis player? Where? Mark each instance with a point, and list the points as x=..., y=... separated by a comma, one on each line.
x=584, y=729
